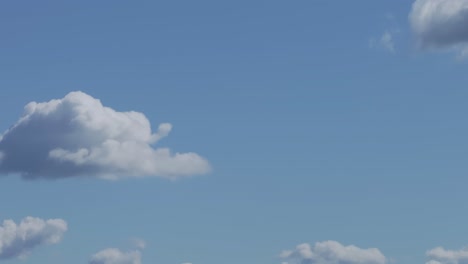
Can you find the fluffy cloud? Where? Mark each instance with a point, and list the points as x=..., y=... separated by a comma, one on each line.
x=332, y=252
x=115, y=256
x=440, y=23
x=18, y=240
x=440, y=255
x=78, y=136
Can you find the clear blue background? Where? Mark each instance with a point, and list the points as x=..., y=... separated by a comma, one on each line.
x=313, y=135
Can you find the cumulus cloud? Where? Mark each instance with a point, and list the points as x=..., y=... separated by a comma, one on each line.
x=440, y=23
x=440, y=255
x=116, y=256
x=78, y=136
x=18, y=240
x=332, y=252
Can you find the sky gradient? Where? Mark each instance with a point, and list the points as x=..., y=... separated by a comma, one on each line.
x=339, y=124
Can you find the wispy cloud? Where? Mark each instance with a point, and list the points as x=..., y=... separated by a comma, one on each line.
x=78, y=136
x=386, y=40
x=138, y=243
x=116, y=256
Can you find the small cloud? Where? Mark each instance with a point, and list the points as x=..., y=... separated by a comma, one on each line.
x=332, y=252
x=386, y=41
x=441, y=25
x=18, y=240
x=390, y=16
x=139, y=243
x=116, y=256
x=78, y=136
x=440, y=255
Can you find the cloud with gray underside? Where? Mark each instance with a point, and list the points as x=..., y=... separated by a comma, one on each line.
x=79, y=136
x=440, y=24
x=18, y=240
x=332, y=252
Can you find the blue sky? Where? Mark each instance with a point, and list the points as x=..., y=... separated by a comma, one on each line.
x=316, y=127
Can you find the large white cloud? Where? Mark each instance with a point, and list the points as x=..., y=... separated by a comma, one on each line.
x=440, y=255
x=78, y=136
x=332, y=252
x=440, y=23
x=18, y=240
x=116, y=256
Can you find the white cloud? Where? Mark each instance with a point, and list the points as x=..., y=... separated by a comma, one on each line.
x=78, y=136
x=440, y=24
x=115, y=256
x=332, y=252
x=440, y=255
x=18, y=240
